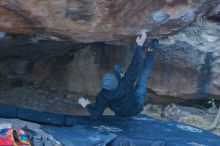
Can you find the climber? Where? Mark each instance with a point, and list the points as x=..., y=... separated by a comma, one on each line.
x=117, y=92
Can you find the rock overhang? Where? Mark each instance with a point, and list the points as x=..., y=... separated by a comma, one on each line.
x=37, y=36
x=99, y=20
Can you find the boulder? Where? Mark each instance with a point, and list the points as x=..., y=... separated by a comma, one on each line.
x=98, y=20
x=68, y=45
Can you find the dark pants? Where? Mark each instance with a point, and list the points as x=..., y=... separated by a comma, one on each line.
x=141, y=85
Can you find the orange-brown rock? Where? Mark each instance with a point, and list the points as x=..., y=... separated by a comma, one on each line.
x=47, y=43
x=98, y=20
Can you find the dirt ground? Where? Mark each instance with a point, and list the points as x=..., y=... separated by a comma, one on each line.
x=201, y=118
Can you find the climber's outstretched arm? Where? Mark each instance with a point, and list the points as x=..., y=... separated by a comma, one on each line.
x=95, y=110
x=134, y=68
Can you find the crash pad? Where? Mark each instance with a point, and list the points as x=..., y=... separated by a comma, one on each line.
x=39, y=117
x=139, y=130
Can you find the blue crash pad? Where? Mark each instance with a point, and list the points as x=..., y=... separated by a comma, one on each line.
x=134, y=131
x=114, y=131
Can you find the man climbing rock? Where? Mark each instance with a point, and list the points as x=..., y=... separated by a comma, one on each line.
x=118, y=93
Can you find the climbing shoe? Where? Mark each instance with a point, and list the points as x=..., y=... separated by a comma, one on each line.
x=154, y=44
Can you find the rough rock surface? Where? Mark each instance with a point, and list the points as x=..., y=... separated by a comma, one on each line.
x=190, y=63
x=43, y=47
x=98, y=20
x=186, y=64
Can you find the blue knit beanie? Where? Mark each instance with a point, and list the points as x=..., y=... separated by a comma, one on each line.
x=109, y=82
